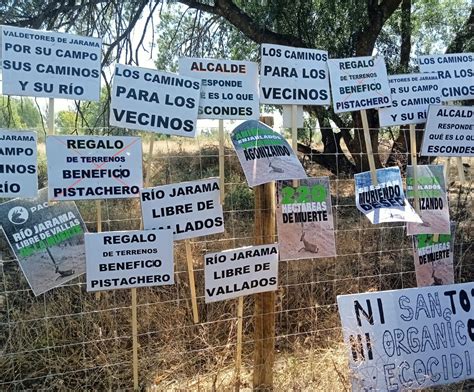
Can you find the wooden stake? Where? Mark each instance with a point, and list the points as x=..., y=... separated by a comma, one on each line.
x=192, y=283
x=294, y=128
x=368, y=145
x=134, y=339
x=414, y=163
x=99, y=229
x=460, y=170
x=51, y=116
x=238, y=351
x=221, y=160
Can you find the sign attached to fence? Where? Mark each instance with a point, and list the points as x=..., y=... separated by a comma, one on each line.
x=94, y=167
x=126, y=259
x=433, y=259
x=304, y=219
x=455, y=72
x=190, y=209
x=229, y=87
x=45, y=64
x=384, y=202
x=449, y=132
x=150, y=100
x=411, y=96
x=409, y=339
x=359, y=83
x=47, y=239
x=294, y=76
x=243, y=271
x=18, y=164
x=264, y=155
x=432, y=199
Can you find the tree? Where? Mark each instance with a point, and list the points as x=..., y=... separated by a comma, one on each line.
x=19, y=113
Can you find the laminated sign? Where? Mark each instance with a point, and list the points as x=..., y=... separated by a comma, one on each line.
x=18, y=164
x=304, y=219
x=264, y=155
x=455, y=72
x=384, y=202
x=432, y=200
x=411, y=339
x=94, y=167
x=359, y=83
x=189, y=209
x=296, y=76
x=449, y=132
x=150, y=100
x=47, y=239
x=46, y=64
x=229, y=87
x=433, y=258
x=243, y=271
x=411, y=96
x=126, y=259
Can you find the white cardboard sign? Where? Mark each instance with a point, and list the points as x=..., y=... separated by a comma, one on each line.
x=18, y=164
x=243, y=271
x=449, y=132
x=126, y=259
x=455, y=72
x=94, y=167
x=150, y=100
x=229, y=87
x=294, y=76
x=411, y=96
x=411, y=339
x=190, y=209
x=359, y=83
x=49, y=64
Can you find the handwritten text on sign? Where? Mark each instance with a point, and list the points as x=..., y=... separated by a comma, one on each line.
x=243, y=271
x=18, y=165
x=190, y=209
x=119, y=259
x=151, y=100
x=294, y=76
x=229, y=87
x=409, y=339
x=359, y=83
x=54, y=65
x=94, y=167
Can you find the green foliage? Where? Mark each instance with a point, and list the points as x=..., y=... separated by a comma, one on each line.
x=19, y=113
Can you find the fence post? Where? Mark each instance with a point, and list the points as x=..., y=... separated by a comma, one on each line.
x=264, y=302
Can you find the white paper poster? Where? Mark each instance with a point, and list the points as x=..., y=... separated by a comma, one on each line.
x=190, y=209
x=229, y=87
x=294, y=76
x=411, y=339
x=243, y=271
x=449, y=132
x=18, y=164
x=126, y=259
x=359, y=83
x=48, y=64
x=150, y=100
x=94, y=167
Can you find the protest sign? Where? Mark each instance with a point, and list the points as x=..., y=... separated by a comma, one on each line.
x=433, y=259
x=94, y=167
x=46, y=64
x=150, y=100
x=229, y=87
x=449, y=132
x=18, y=164
x=404, y=340
x=455, y=72
x=243, y=271
x=126, y=259
x=190, y=209
x=384, y=202
x=411, y=96
x=265, y=155
x=304, y=219
x=47, y=239
x=432, y=200
x=294, y=76
x=359, y=83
